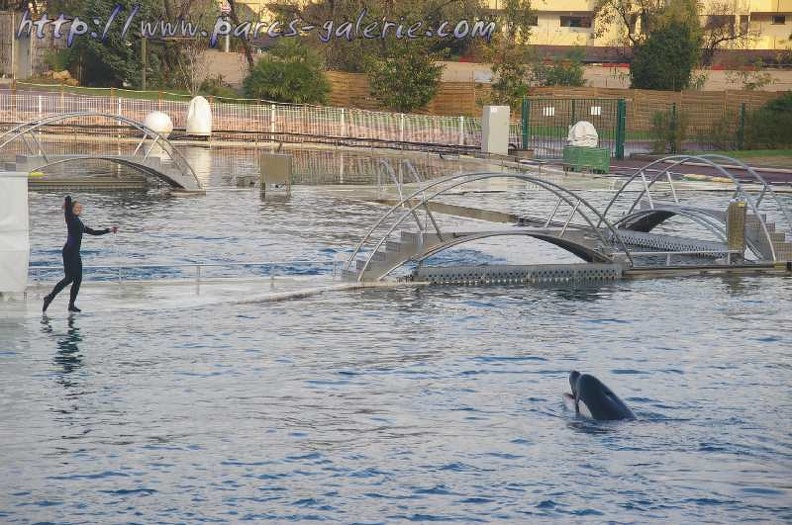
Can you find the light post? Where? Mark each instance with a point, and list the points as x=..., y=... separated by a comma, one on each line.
x=144, y=62
x=225, y=10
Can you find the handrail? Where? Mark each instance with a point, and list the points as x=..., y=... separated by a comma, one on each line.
x=197, y=265
x=175, y=155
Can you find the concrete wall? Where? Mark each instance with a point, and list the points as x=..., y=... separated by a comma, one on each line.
x=29, y=53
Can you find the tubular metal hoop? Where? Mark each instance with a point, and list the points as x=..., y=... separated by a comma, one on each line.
x=571, y=198
x=709, y=160
x=175, y=155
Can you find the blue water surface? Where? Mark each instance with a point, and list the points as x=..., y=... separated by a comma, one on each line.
x=385, y=405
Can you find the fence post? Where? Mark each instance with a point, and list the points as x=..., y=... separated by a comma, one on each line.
x=343, y=122
x=573, y=112
x=674, y=138
x=741, y=128
x=524, y=122
x=461, y=130
x=272, y=122
x=40, y=111
x=621, y=127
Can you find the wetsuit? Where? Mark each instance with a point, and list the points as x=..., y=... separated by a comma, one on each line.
x=72, y=263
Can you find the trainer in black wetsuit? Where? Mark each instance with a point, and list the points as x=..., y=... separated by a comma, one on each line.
x=72, y=263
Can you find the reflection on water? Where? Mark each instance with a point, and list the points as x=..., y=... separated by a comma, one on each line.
x=67, y=357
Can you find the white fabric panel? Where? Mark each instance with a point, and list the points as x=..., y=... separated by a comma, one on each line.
x=13, y=271
x=199, y=117
x=14, y=232
x=584, y=134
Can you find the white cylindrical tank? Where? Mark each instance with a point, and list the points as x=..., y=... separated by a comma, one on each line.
x=14, y=232
x=199, y=118
x=159, y=122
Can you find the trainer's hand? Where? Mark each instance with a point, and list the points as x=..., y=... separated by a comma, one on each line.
x=114, y=229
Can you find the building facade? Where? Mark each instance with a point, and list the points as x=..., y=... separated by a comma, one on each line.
x=563, y=24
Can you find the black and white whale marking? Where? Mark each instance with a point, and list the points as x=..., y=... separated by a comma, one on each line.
x=592, y=398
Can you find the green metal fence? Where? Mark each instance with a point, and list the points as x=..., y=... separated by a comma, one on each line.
x=545, y=123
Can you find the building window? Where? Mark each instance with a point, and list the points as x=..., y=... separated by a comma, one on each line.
x=778, y=20
x=575, y=21
x=720, y=22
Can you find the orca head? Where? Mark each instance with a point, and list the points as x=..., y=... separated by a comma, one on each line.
x=593, y=399
x=580, y=406
x=574, y=375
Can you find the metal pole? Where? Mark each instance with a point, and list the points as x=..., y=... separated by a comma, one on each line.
x=621, y=127
x=524, y=122
x=741, y=129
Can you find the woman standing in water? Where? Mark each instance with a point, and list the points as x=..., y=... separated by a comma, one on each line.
x=72, y=263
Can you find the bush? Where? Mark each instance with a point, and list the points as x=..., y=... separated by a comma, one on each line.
x=291, y=73
x=567, y=71
x=217, y=87
x=723, y=132
x=406, y=78
x=770, y=127
x=670, y=129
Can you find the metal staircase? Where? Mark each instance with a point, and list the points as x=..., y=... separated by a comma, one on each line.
x=617, y=244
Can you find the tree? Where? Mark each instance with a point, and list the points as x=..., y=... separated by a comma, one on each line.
x=291, y=72
x=116, y=60
x=406, y=78
x=720, y=28
x=567, y=71
x=634, y=20
x=509, y=53
x=665, y=60
x=351, y=51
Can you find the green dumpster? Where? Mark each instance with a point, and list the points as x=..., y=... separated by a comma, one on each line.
x=581, y=158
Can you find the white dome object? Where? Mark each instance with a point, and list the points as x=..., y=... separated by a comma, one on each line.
x=159, y=122
x=583, y=133
x=199, y=117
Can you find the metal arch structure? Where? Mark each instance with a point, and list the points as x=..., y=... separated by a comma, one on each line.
x=581, y=250
x=420, y=199
x=646, y=219
x=185, y=175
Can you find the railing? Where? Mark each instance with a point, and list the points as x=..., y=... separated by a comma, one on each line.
x=697, y=253
x=257, y=120
x=124, y=272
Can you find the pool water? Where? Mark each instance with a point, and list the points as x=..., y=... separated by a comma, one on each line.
x=415, y=404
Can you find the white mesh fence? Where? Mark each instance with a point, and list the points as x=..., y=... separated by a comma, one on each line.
x=248, y=120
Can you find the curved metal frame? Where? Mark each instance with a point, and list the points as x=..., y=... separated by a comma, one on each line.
x=175, y=155
x=708, y=160
x=703, y=219
x=562, y=193
x=462, y=240
x=139, y=167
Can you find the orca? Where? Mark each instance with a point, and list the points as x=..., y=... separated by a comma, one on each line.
x=593, y=399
